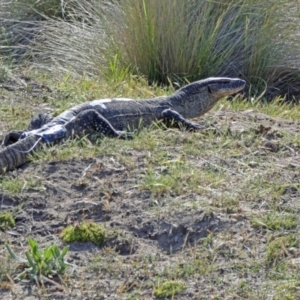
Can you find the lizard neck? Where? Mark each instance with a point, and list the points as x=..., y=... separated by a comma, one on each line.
x=191, y=105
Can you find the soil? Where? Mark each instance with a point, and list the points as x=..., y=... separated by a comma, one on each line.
x=112, y=198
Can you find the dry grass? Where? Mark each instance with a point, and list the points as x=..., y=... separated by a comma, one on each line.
x=164, y=41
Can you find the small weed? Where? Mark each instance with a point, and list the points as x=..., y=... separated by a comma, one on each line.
x=41, y=263
x=168, y=289
x=84, y=232
x=6, y=221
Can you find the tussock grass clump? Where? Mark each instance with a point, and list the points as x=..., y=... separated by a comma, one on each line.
x=198, y=38
x=164, y=39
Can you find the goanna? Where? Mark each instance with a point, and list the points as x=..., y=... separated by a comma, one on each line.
x=113, y=117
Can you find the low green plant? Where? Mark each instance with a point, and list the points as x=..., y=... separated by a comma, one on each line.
x=6, y=221
x=168, y=289
x=84, y=232
x=41, y=263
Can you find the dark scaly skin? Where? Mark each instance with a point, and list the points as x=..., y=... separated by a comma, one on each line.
x=112, y=117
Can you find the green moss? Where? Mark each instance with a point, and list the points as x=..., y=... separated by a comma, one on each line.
x=168, y=289
x=84, y=232
x=6, y=220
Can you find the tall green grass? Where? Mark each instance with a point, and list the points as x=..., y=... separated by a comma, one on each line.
x=192, y=38
x=196, y=39
x=168, y=40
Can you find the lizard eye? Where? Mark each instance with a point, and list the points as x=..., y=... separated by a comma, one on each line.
x=208, y=89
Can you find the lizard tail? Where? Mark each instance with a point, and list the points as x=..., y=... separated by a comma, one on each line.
x=17, y=154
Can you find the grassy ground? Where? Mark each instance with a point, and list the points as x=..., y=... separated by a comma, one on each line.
x=206, y=215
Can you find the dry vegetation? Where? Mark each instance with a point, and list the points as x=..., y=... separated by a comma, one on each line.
x=206, y=215
x=165, y=41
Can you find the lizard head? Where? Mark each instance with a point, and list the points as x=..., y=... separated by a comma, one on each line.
x=213, y=88
x=198, y=97
x=222, y=86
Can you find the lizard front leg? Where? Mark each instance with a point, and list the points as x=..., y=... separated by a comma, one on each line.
x=174, y=119
x=90, y=121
